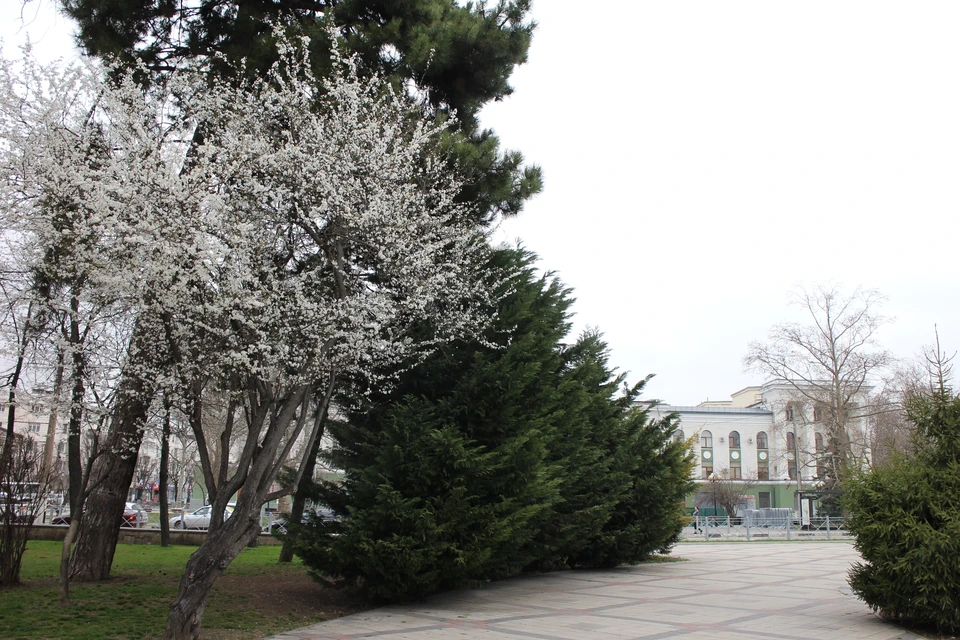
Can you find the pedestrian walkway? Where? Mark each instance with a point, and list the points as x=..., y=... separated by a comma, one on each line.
x=782, y=590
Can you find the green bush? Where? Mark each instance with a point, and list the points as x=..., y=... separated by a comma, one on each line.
x=906, y=519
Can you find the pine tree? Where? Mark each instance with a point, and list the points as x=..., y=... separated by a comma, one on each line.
x=906, y=520
x=458, y=57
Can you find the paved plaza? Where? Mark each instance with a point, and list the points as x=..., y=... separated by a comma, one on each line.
x=725, y=590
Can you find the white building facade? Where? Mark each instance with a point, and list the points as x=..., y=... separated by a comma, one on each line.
x=769, y=438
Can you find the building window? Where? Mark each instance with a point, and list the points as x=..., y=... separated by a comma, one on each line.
x=707, y=471
x=791, y=442
x=763, y=500
x=762, y=440
x=817, y=413
x=734, y=439
x=818, y=440
x=706, y=440
x=34, y=427
x=678, y=436
x=763, y=472
x=792, y=469
x=788, y=413
x=735, y=471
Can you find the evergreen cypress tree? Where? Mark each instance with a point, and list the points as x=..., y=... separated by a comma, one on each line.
x=445, y=477
x=624, y=476
x=649, y=516
x=582, y=442
x=492, y=459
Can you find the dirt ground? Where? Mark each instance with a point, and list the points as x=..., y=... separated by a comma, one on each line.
x=295, y=598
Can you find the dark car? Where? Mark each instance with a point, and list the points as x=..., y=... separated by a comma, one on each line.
x=279, y=524
x=133, y=516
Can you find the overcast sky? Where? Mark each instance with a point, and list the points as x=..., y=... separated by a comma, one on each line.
x=703, y=158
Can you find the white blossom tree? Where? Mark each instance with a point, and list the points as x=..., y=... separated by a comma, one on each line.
x=263, y=239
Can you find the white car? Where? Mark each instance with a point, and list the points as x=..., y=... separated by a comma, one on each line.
x=199, y=519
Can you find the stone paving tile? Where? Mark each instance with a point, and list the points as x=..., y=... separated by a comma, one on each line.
x=777, y=590
x=572, y=628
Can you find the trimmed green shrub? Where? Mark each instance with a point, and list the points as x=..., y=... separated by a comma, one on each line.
x=906, y=519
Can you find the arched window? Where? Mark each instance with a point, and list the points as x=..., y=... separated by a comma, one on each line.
x=788, y=413
x=818, y=441
x=791, y=442
x=706, y=440
x=734, y=439
x=762, y=440
x=678, y=436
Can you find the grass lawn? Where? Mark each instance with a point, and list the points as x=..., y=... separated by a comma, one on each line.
x=255, y=597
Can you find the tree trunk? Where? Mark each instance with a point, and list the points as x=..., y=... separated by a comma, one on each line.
x=115, y=466
x=204, y=567
x=12, y=395
x=164, y=465
x=300, y=500
x=113, y=471
x=65, y=562
x=75, y=426
x=50, y=443
x=306, y=479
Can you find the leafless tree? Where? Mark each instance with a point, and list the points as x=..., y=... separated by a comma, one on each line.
x=145, y=472
x=829, y=365
x=720, y=489
x=23, y=492
x=892, y=431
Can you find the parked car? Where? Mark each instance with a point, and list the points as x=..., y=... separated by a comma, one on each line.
x=133, y=516
x=199, y=519
x=279, y=525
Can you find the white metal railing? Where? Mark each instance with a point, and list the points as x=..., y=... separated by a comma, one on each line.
x=752, y=528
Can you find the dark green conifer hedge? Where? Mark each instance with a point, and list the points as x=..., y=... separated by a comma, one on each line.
x=495, y=457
